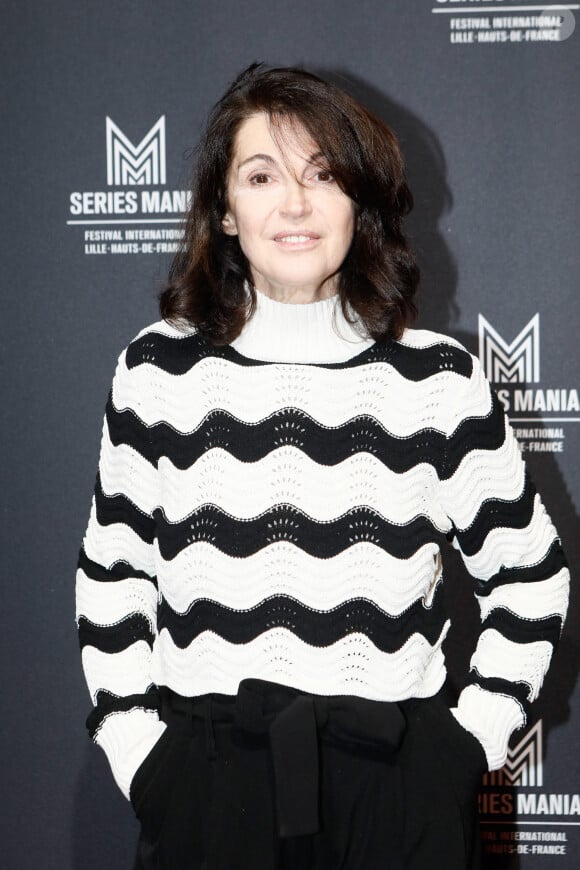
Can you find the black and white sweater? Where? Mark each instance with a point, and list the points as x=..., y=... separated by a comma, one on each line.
x=284, y=519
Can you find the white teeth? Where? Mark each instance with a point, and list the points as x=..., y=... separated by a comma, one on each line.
x=295, y=238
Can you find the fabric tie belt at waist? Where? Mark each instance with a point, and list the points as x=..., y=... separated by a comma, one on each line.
x=292, y=720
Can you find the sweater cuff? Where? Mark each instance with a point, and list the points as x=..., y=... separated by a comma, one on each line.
x=492, y=719
x=127, y=739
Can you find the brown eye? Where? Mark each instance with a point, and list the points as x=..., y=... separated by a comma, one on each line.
x=324, y=175
x=260, y=178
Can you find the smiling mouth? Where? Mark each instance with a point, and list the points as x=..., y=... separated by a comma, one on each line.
x=297, y=239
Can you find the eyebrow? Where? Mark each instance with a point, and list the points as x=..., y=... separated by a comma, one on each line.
x=266, y=158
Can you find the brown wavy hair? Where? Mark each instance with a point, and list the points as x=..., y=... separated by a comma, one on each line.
x=379, y=275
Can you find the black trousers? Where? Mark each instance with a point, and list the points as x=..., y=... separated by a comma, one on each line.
x=276, y=779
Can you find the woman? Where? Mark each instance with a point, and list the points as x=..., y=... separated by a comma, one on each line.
x=282, y=458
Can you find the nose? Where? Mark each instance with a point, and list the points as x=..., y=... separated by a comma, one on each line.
x=295, y=201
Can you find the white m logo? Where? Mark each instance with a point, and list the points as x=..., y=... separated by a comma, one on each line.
x=136, y=164
x=524, y=762
x=518, y=361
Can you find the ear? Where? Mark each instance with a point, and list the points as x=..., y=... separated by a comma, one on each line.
x=229, y=224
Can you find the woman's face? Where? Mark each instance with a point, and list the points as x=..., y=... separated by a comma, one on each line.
x=294, y=223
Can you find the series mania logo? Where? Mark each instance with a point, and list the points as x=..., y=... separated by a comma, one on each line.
x=507, y=792
x=513, y=367
x=135, y=169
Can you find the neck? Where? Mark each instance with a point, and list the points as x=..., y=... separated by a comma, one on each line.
x=298, y=294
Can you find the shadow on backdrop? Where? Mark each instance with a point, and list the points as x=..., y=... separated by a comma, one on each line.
x=427, y=177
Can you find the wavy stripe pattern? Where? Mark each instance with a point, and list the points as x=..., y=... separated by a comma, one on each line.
x=285, y=521
x=286, y=427
x=316, y=628
x=361, y=571
x=352, y=665
x=330, y=396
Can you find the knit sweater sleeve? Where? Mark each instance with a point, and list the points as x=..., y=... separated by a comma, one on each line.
x=116, y=593
x=511, y=549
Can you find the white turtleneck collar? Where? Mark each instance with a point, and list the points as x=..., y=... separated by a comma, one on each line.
x=314, y=332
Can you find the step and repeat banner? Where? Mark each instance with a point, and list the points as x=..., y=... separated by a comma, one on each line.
x=102, y=113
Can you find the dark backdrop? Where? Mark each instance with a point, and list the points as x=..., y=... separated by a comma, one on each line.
x=487, y=113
